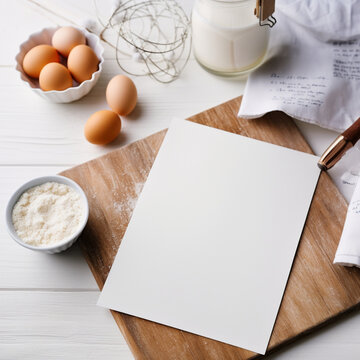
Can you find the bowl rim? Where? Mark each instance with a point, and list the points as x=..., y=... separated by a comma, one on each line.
x=18, y=66
x=36, y=182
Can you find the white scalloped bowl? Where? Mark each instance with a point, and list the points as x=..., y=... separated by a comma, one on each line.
x=77, y=91
x=62, y=245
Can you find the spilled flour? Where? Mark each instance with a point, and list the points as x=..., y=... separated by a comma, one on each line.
x=127, y=206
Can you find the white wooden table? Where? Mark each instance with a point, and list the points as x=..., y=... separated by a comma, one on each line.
x=47, y=302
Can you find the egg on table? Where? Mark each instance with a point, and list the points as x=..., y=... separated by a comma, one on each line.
x=121, y=95
x=102, y=127
x=82, y=62
x=55, y=76
x=35, y=59
x=66, y=38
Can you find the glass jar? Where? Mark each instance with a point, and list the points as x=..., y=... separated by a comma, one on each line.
x=227, y=37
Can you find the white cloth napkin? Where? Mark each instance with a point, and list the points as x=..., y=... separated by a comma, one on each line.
x=348, y=251
x=313, y=68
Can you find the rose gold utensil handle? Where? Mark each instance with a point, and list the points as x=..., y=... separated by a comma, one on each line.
x=339, y=146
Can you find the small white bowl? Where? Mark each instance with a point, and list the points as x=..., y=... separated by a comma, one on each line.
x=66, y=243
x=77, y=91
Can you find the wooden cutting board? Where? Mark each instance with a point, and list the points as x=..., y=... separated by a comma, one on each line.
x=317, y=290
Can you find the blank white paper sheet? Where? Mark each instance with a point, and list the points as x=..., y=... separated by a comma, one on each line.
x=211, y=241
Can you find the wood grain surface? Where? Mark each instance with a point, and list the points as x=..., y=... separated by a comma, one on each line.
x=317, y=290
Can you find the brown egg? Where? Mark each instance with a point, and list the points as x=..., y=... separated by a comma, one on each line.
x=121, y=95
x=37, y=58
x=66, y=38
x=55, y=76
x=102, y=127
x=82, y=62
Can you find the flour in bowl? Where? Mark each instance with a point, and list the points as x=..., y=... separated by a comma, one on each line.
x=47, y=214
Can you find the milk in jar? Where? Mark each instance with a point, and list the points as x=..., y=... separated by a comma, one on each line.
x=227, y=37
